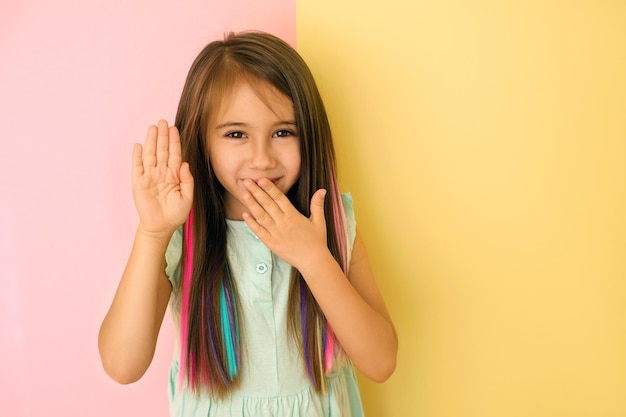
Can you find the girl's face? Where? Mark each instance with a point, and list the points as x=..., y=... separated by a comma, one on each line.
x=253, y=135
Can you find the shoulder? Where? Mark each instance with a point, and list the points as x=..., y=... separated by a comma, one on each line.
x=349, y=218
x=346, y=200
x=172, y=256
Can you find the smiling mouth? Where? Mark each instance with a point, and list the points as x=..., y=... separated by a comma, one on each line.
x=274, y=180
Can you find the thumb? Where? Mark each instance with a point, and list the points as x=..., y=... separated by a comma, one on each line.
x=317, y=206
x=186, y=181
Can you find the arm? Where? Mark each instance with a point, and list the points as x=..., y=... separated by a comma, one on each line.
x=356, y=311
x=129, y=332
x=162, y=190
x=353, y=305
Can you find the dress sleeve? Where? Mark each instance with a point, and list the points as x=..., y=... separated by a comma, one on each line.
x=172, y=258
x=346, y=199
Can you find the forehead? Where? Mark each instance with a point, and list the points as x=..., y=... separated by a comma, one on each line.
x=240, y=91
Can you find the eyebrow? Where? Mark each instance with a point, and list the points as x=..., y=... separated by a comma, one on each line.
x=242, y=124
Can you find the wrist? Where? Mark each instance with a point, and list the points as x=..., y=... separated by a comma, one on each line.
x=316, y=262
x=155, y=235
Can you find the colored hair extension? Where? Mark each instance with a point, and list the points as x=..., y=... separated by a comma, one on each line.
x=341, y=230
x=305, y=336
x=228, y=313
x=186, y=286
x=339, y=217
x=323, y=349
x=319, y=329
x=219, y=352
x=213, y=342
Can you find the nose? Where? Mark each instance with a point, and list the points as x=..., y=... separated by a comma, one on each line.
x=261, y=156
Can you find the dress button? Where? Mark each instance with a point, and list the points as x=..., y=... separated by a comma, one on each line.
x=261, y=268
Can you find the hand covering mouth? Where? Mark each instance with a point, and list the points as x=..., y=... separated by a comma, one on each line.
x=275, y=180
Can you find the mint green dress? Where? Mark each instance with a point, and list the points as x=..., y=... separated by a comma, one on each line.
x=273, y=377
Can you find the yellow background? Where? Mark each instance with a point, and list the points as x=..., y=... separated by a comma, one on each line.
x=484, y=143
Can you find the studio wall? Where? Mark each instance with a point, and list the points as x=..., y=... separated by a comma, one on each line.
x=79, y=84
x=484, y=144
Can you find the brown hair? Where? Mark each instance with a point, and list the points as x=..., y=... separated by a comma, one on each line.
x=206, y=359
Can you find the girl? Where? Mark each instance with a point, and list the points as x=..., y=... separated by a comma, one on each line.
x=253, y=246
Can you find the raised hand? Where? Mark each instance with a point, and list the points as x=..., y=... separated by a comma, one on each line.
x=272, y=218
x=162, y=183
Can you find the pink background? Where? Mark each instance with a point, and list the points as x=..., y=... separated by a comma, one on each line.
x=79, y=84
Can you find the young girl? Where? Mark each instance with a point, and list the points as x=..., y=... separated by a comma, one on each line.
x=253, y=246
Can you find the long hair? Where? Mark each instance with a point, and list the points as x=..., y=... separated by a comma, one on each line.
x=210, y=339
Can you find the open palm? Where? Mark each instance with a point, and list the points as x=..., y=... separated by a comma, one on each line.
x=162, y=183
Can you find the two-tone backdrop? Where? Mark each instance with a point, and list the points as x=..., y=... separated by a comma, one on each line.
x=484, y=143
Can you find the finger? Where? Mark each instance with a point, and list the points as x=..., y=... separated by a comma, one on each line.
x=258, y=230
x=275, y=194
x=162, y=143
x=186, y=181
x=261, y=199
x=256, y=209
x=137, y=161
x=174, y=149
x=317, y=207
x=149, y=148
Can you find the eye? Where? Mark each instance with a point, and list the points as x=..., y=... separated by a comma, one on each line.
x=236, y=135
x=284, y=133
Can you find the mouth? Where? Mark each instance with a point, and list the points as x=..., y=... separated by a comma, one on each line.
x=275, y=180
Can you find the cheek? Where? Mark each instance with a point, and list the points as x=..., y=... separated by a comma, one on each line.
x=220, y=170
x=296, y=161
x=222, y=162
